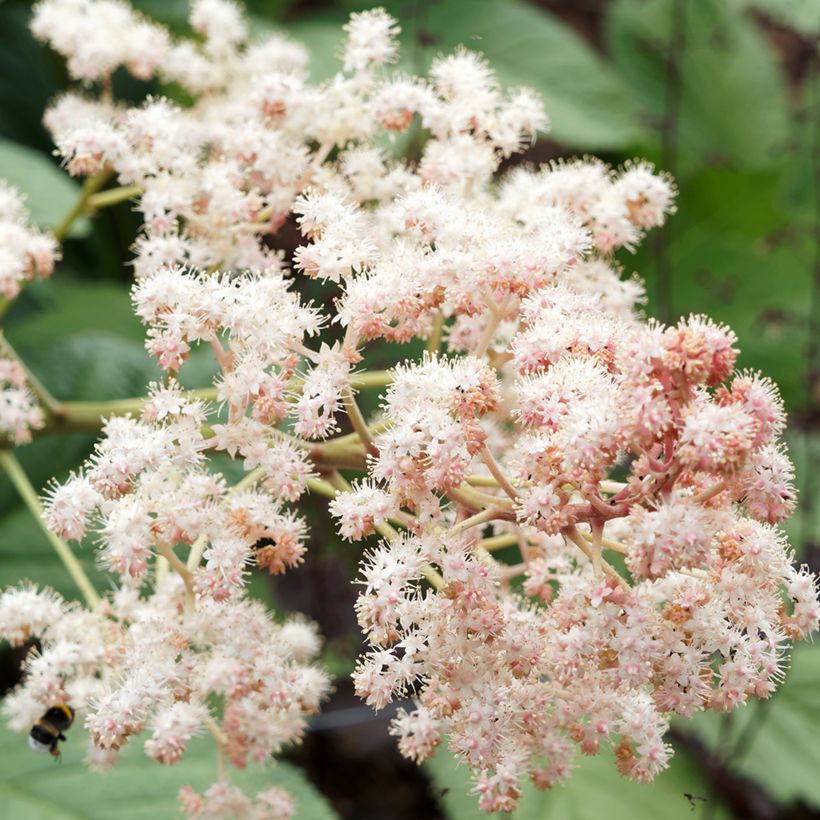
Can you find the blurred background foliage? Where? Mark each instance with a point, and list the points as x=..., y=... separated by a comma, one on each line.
x=723, y=94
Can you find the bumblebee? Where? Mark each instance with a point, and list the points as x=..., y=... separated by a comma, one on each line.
x=46, y=734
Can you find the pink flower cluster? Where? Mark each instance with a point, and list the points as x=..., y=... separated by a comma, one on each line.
x=578, y=508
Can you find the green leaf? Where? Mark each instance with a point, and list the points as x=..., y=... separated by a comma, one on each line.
x=801, y=15
x=34, y=787
x=589, y=106
x=736, y=234
x=733, y=102
x=595, y=790
x=26, y=555
x=779, y=745
x=323, y=38
x=50, y=192
x=803, y=528
x=49, y=311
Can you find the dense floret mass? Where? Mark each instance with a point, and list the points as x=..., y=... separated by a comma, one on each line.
x=577, y=508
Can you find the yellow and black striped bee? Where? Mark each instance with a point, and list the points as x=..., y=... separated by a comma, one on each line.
x=48, y=731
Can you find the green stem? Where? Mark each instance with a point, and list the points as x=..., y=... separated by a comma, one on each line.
x=371, y=378
x=319, y=486
x=29, y=495
x=357, y=420
x=434, y=342
x=90, y=187
x=358, y=381
x=86, y=415
x=113, y=196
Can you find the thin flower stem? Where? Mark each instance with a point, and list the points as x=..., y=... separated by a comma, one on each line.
x=607, y=543
x=612, y=486
x=319, y=486
x=216, y=730
x=349, y=439
x=475, y=500
x=575, y=536
x=483, y=517
x=497, y=542
x=221, y=741
x=20, y=480
x=711, y=492
x=597, y=547
x=523, y=546
x=405, y=520
x=358, y=381
x=90, y=187
x=358, y=422
x=161, y=568
x=513, y=571
x=497, y=312
x=113, y=196
x=486, y=337
x=165, y=551
x=493, y=467
x=371, y=378
x=434, y=342
x=694, y=572
x=481, y=481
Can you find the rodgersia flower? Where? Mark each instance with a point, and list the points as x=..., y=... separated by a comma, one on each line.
x=542, y=381
x=25, y=252
x=20, y=413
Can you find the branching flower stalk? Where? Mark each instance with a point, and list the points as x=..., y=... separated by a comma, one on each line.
x=575, y=509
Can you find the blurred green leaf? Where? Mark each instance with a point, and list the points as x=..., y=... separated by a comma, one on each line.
x=738, y=253
x=64, y=306
x=50, y=192
x=26, y=555
x=803, y=528
x=33, y=787
x=733, y=103
x=588, y=104
x=595, y=790
x=775, y=742
x=321, y=34
x=801, y=15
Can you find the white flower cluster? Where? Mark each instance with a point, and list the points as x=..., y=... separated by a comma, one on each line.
x=20, y=412
x=25, y=252
x=548, y=419
x=145, y=663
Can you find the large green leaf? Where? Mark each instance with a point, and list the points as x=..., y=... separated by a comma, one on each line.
x=34, y=787
x=739, y=251
x=801, y=15
x=588, y=104
x=50, y=192
x=49, y=311
x=26, y=555
x=803, y=528
x=594, y=791
x=775, y=742
x=733, y=104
